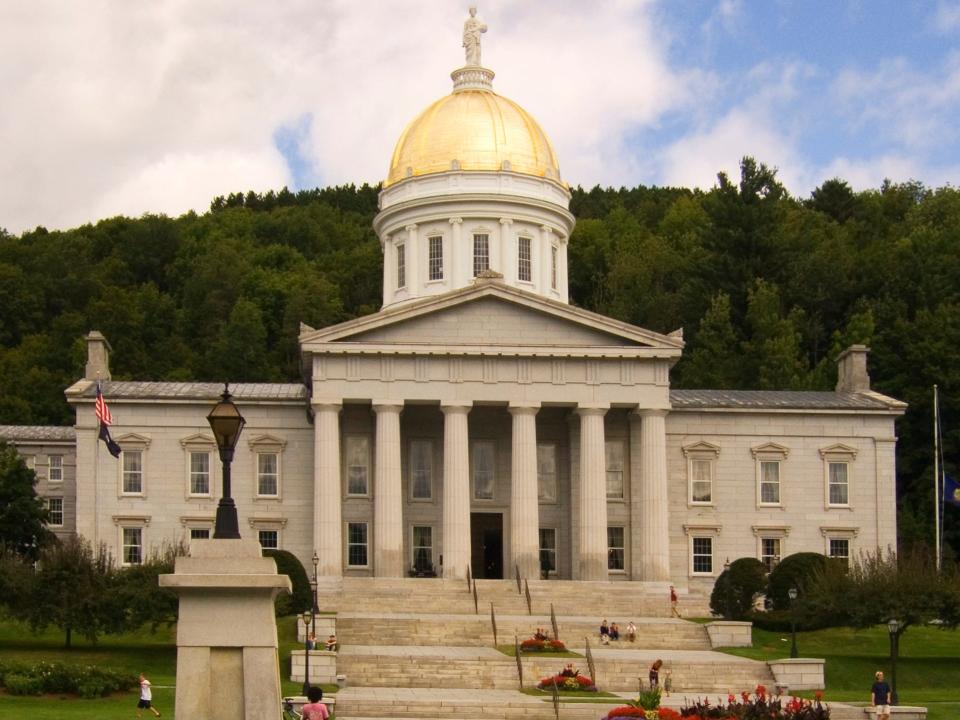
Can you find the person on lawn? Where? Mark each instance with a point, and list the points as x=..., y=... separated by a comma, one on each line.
x=146, y=698
x=880, y=697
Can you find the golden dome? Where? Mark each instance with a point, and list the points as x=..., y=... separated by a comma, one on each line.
x=477, y=129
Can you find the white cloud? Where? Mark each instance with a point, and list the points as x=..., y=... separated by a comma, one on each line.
x=871, y=172
x=946, y=19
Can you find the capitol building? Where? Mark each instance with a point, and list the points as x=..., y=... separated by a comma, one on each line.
x=479, y=422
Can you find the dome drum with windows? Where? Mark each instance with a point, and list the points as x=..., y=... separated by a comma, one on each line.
x=473, y=185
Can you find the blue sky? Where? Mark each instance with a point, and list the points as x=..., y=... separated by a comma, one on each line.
x=126, y=108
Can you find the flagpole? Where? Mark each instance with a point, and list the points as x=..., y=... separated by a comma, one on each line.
x=96, y=479
x=936, y=472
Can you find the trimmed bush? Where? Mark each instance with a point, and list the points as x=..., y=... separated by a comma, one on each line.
x=734, y=591
x=301, y=597
x=793, y=571
x=88, y=681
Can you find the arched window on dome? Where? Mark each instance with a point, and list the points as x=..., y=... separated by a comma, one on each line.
x=481, y=253
x=435, y=261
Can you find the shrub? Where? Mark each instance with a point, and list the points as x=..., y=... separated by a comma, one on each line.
x=534, y=645
x=301, y=596
x=88, y=681
x=737, y=587
x=793, y=571
x=19, y=684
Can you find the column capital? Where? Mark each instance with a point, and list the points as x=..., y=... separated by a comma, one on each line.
x=531, y=408
x=649, y=412
x=387, y=406
x=547, y=229
x=455, y=220
x=588, y=410
x=326, y=405
x=506, y=221
x=411, y=228
x=456, y=408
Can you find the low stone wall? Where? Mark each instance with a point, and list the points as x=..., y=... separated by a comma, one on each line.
x=730, y=633
x=798, y=673
x=839, y=711
x=323, y=666
x=326, y=626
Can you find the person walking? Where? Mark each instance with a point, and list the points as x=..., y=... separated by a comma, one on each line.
x=315, y=709
x=146, y=698
x=673, y=602
x=880, y=696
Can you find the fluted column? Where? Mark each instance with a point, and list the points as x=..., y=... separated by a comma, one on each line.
x=524, y=500
x=654, y=528
x=542, y=271
x=327, y=523
x=593, y=495
x=508, y=251
x=456, y=491
x=414, y=269
x=387, y=495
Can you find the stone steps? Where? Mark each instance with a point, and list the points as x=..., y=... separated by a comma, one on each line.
x=475, y=631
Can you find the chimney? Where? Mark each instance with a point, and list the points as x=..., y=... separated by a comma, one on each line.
x=98, y=357
x=852, y=369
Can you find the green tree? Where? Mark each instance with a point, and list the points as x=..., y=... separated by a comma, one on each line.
x=737, y=587
x=773, y=348
x=23, y=515
x=714, y=361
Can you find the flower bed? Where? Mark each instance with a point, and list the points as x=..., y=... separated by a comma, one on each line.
x=534, y=645
x=567, y=683
x=760, y=706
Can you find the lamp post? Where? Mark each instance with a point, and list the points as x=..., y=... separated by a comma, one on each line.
x=308, y=618
x=894, y=627
x=226, y=422
x=313, y=586
x=792, y=593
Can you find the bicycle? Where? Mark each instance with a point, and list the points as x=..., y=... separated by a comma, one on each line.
x=288, y=712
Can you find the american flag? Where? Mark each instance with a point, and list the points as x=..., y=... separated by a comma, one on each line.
x=103, y=412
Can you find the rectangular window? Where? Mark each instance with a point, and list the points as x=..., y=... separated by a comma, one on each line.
x=421, y=469
x=199, y=473
x=701, y=481
x=55, y=473
x=548, y=549
x=436, y=257
x=839, y=487
x=401, y=266
x=840, y=549
x=553, y=267
x=55, y=506
x=614, y=450
x=615, y=545
x=268, y=477
x=357, y=544
x=199, y=533
x=547, y=472
x=132, y=472
x=132, y=546
x=770, y=552
x=770, y=482
x=358, y=464
x=483, y=466
x=524, y=260
x=481, y=253
x=422, y=548
x=702, y=555
x=269, y=539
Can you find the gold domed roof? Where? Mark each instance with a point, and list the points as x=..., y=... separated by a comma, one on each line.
x=473, y=129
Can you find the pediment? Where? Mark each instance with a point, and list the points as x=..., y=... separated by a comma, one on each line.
x=266, y=441
x=132, y=439
x=198, y=439
x=701, y=448
x=490, y=315
x=770, y=449
x=838, y=450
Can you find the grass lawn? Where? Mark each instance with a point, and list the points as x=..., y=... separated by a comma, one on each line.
x=154, y=654
x=928, y=669
x=511, y=650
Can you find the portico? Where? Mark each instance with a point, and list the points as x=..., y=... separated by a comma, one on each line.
x=477, y=425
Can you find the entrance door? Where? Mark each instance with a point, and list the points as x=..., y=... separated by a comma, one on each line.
x=486, y=544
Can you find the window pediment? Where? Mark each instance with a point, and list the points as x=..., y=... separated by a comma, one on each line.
x=198, y=440
x=771, y=450
x=702, y=529
x=838, y=451
x=133, y=440
x=266, y=442
x=770, y=530
x=839, y=531
x=131, y=519
x=701, y=448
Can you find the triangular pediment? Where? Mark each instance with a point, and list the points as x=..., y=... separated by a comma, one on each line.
x=489, y=315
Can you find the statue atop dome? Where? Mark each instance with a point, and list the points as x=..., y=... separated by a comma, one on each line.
x=472, y=28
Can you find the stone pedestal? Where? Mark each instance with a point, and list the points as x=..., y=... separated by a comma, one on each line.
x=227, y=665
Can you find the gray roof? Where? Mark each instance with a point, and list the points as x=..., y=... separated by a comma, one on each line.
x=781, y=400
x=140, y=390
x=35, y=433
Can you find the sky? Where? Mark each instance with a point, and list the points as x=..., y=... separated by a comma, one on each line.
x=112, y=107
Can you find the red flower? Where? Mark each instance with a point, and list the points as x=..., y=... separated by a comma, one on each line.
x=665, y=713
x=818, y=695
x=627, y=711
x=761, y=691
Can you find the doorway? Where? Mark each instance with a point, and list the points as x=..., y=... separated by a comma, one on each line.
x=486, y=545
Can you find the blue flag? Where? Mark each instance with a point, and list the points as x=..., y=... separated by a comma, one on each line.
x=951, y=490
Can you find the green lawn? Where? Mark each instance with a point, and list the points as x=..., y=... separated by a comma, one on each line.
x=928, y=670
x=154, y=654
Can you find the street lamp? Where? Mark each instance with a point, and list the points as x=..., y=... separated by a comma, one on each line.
x=894, y=627
x=308, y=618
x=226, y=422
x=792, y=594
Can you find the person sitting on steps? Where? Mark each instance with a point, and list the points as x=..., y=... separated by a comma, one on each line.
x=631, y=632
x=614, y=631
x=604, y=632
